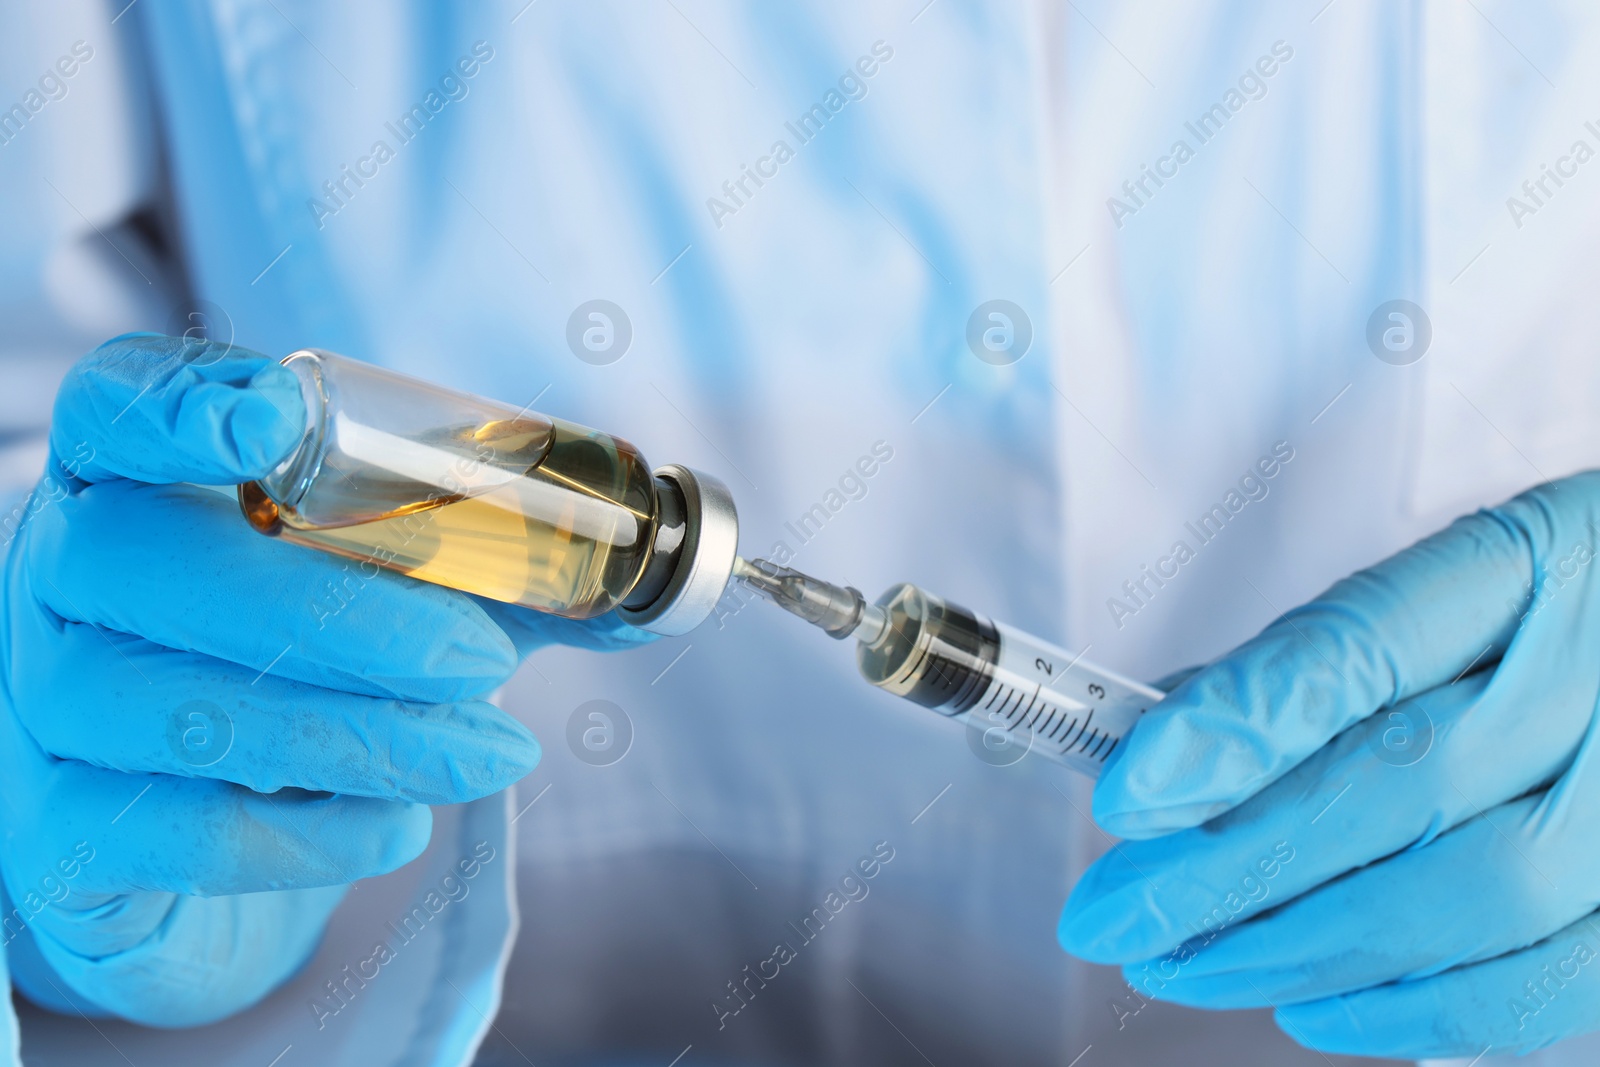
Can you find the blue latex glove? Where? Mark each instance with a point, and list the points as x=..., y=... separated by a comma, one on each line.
x=178, y=722
x=1382, y=815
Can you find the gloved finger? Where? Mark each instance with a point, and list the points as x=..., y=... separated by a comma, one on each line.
x=207, y=958
x=1490, y=886
x=172, y=409
x=121, y=702
x=531, y=630
x=1413, y=622
x=200, y=837
x=187, y=572
x=1357, y=800
x=1511, y=1004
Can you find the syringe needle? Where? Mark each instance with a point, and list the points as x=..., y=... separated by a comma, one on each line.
x=840, y=610
x=742, y=568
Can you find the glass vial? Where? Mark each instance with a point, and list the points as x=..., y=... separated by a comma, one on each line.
x=511, y=505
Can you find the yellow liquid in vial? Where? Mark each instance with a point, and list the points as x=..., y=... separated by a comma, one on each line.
x=528, y=511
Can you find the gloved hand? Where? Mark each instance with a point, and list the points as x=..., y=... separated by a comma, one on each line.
x=1382, y=815
x=180, y=722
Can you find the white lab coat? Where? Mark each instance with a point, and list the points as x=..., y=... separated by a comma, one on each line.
x=781, y=332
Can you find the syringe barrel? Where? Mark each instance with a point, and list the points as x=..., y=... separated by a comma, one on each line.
x=1019, y=692
x=1074, y=712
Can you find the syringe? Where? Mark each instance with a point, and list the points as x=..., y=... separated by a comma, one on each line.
x=1022, y=694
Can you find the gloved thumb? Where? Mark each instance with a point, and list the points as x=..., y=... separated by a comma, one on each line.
x=174, y=409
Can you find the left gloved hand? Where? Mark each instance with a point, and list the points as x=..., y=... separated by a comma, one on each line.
x=1381, y=816
x=194, y=759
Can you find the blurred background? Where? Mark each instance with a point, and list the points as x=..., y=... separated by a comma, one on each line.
x=284, y=174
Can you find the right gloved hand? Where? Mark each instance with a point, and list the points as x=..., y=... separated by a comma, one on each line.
x=1380, y=816
x=181, y=719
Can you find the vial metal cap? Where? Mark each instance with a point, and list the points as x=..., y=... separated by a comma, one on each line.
x=704, y=562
